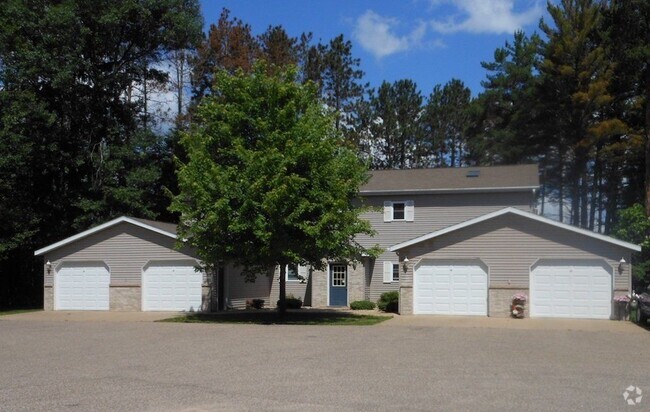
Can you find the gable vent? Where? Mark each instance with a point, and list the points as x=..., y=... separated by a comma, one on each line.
x=473, y=173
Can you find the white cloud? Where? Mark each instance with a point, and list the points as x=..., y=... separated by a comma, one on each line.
x=485, y=16
x=376, y=34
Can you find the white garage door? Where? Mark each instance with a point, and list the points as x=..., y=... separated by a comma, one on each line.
x=171, y=287
x=82, y=286
x=571, y=290
x=450, y=289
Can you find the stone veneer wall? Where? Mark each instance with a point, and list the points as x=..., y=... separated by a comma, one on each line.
x=356, y=283
x=405, y=300
x=500, y=302
x=320, y=284
x=48, y=298
x=125, y=298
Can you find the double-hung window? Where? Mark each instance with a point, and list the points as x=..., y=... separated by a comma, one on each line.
x=391, y=272
x=399, y=210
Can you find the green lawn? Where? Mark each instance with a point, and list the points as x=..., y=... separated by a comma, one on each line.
x=301, y=317
x=16, y=311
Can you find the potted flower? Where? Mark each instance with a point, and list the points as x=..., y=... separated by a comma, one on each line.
x=621, y=303
x=517, y=309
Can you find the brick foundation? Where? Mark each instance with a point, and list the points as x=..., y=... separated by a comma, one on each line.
x=500, y=301
x=48, y=298
x=125, y=299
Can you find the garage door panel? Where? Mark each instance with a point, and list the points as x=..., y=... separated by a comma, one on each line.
x=578, y=289
x=172, y=287
x=82, y=286
x=457, y=290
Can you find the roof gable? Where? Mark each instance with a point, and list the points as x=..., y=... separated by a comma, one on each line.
x=453, y=179
x=165, y=229
x=518, y=212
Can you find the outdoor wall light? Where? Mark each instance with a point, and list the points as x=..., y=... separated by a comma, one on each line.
x=48, y=266
x=620, y=265
x=406, y=264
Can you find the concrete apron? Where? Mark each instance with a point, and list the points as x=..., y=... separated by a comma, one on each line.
x=90, y=316
x=590, y=325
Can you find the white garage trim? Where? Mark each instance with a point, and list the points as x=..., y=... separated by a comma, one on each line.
x=101, y=227
x=583, y=289
x=81, y=285
x=514, y=211
x=472, y=298
x=186, y=296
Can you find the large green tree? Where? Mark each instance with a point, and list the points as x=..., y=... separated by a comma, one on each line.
x=268, y=179
x=503, y=129
x=392, y=125
x=574, y=92
x=74, y=141
x=446, y=122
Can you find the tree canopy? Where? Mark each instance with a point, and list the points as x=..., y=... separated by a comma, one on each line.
x=269, y=180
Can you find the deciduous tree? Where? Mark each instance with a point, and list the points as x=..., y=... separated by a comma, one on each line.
x=269, y=180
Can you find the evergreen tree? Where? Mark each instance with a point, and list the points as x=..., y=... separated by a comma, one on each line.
x=576, y=74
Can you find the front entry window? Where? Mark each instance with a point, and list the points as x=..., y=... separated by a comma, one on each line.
x=339, y=273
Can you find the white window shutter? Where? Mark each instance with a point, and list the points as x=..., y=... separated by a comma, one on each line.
x=409, y=211
x=388, y=211
x=388, y=272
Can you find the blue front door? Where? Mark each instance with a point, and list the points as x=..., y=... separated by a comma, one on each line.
x=338, y=285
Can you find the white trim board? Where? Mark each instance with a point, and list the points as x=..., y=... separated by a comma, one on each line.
x=99, y=228
x=517, y=212
x=381, y=192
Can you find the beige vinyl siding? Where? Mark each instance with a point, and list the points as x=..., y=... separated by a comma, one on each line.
x=125, y=248
x=432, y=212
x=510, y=245
x=295, y=288
x=238, y=291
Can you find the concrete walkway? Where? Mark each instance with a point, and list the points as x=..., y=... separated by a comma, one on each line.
x=89, y=316
x=409, y=321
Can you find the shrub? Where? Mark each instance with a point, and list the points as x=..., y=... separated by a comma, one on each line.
x=388, y=301
x=255, y=303
x=362, y=305
x=292, y=302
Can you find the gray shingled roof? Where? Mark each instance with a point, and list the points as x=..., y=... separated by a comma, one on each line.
x=517, y=177
x=167, y=227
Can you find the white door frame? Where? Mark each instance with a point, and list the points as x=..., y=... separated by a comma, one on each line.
x=347, y=281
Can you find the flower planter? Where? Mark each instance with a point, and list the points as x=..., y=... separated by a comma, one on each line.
x=518, y=307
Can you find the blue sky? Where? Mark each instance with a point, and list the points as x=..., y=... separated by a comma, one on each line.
x=428, y=41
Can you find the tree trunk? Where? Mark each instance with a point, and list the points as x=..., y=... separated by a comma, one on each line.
x=584, y=200
x=561, y=187
x=647, y=142
x=282, y=305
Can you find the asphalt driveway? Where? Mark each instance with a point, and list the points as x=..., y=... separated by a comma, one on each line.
x=402, y=364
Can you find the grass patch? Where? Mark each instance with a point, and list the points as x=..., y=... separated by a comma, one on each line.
x=17, y=311
x=290, y=318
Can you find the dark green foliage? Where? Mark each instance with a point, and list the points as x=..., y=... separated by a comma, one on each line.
x=268, y=179
x=76, y=146
x=291, y=302
x=255, y=303
x=389, y=302
x=633, y=226
x=362, y=305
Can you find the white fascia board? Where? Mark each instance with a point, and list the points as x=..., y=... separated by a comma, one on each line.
x=447, y=191
x=518, y=212
x=99, y=229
